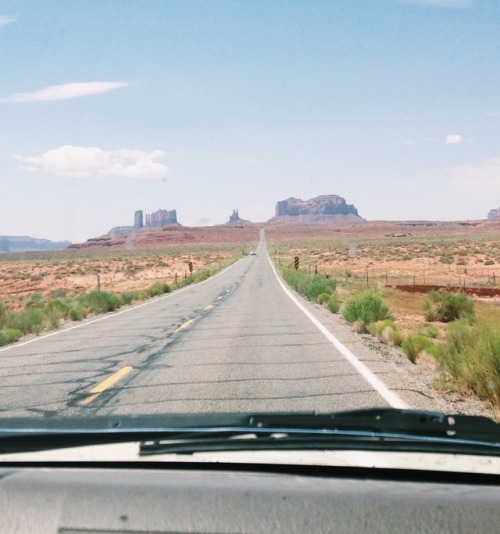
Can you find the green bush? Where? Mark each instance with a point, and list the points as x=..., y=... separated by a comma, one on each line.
x=309, y=286
x=386, y=331
x=429, y=330
x=3, y=314
x=333, y=303
x=318, y=285
x=323, y=298
x=446, y=306
x=471, y=358
x=58, y=306
x=27, y=321
x=128, y=297
x=10, y=335
x=199, y=276
x=157, y=289
x=366, y=307
x=53, y=316
x=414, y=344
x=35, y=300
x=76, y=314
x=101, y=301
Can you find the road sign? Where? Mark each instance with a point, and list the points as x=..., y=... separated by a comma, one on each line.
x=296, y=262
x=190, y=265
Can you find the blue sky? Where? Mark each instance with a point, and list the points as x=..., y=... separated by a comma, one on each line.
x=205, y=106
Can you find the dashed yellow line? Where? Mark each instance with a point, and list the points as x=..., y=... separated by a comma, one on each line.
x=185, y=325
x=209, y=307
x=105, y=384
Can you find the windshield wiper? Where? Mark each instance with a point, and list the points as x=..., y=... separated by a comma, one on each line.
x=373, y=428
x=367, y=429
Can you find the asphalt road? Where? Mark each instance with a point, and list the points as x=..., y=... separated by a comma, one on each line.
x=234, y=343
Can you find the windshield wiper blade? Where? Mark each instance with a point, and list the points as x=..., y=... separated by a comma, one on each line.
x=193, y=433
x=408, y=430
x=390, y=420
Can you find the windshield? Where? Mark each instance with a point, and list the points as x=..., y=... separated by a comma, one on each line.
x=265, y=207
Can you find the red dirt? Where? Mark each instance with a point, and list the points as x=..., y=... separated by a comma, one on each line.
x=477, y=291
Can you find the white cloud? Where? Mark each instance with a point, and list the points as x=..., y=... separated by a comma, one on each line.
x=7, y=19
x=66, y=91
x=453, y=139
x=81, y=162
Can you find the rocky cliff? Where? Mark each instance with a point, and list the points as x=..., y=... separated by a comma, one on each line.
x=494, y=214
x=324, y=207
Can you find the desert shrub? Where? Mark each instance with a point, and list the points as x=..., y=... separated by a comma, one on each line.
x=333, y=303
x=27, y=321
x=489, y=262
x=386, y=331
x=3, y=314
x=10, y=335
x=201, y=275
x=366, y=307
x=159, y=288
x=296, y=279
x=359, y=327
x=35, y=300
x=446, y=306
x=471, y=358
x=429, y=330
x=323, y=298
x=101, y=301
x=128, y=297
x=58, y=306
x=446, y=258
x=414, y=344
x=309, y=286
x=53, y=316
x=316, y=285
x=76, y=314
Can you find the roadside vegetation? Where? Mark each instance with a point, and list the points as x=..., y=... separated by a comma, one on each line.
x=318, y=288
x=37, y=312
x=446, y=332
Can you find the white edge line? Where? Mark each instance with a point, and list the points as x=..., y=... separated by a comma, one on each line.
x=373, y=380
x=110, y=314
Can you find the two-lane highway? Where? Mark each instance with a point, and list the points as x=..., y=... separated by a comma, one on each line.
x=235, y=342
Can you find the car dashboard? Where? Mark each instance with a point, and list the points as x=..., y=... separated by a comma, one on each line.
x=214, y=498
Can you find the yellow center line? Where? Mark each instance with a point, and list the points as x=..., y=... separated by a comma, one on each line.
x=105, y=384
x=187, y=324
x=209, y=307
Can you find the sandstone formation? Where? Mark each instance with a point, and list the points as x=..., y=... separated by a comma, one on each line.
x=160, y=218
x=319, y=209
x=494, y=214
x=234, y=218
x=157, y=219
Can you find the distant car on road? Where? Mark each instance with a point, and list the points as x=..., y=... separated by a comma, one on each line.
x=253, y=253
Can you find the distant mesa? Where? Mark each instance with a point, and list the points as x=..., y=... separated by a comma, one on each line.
x=325, y=208
x=29, y=244
x=235, y=219
x=494, y=214
x=157, y=219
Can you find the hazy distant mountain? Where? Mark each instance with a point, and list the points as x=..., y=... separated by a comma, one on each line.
x=494, y=214
x=29, y=244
